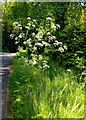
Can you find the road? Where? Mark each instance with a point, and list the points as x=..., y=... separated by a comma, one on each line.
x=5, y=64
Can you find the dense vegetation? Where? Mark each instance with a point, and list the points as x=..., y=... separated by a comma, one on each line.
x=46, y=76
x=70, y=18
x=45, y=93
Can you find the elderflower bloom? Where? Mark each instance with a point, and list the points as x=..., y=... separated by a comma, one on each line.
x=61, y=49
x=48, y=18
x=16, y=42
x=65, y=47
x=33, y=34
x=28, y=18
x=68, y=70
x=12, y=36
x=39, y=44
x=57, y=26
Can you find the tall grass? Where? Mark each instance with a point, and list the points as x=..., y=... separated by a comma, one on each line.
x=53, y=93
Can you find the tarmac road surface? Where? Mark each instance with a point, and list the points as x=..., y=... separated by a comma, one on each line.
x=5, y=63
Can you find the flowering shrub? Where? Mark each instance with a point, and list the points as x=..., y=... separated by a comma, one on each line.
x=38, y=41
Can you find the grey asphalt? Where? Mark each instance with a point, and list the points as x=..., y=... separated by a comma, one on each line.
x=5, y=64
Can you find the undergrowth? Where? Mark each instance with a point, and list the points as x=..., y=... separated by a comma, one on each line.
x=50, y=93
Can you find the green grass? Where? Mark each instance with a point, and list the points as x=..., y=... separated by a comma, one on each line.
x=54, y=93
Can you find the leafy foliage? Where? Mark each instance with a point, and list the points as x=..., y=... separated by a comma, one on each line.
x=70, y=18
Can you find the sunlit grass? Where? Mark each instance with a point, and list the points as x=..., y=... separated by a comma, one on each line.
x=54, y=93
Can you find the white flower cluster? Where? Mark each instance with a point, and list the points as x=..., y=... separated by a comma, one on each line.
x=21, y=35
x=17, y=26
x=45, y=43
x=57, y=43
x=39, y=36
x=61, y=49
x=28, y=18
x=68, y=70
x=28, y=42
x=45, y=64
x=48, y=18
x=16, y=42
x=40, y=57
x=33, y=61
x=39, y=44
x=12, y=36
x=65, y=47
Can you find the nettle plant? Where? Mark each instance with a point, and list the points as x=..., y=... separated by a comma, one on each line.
x=37, y=40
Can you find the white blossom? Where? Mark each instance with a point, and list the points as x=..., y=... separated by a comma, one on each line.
x=20, y=28
x=29, y=24
x=21, y=35
x=34, y=20
x=33, y=34
x=68, y=70
x=27, y=27
x=40, y=57
x=48, y=18
x=12, y=36
x=61, y=49
x=16, y=38
x=48, y=33
x=39, y=44
x=34, y=62
x=53, y=27
x=24, y=42
x=33, y=26
x=57, y=26
x=28, y=18
x=65, y=47
x=16, y=42
x=15, y=23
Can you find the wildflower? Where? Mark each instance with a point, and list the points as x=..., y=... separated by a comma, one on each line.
x=56, y=43
x=48, y=18
x=33, y=34
x=16, y=38
x=32, y=55
x=61, y=49
x=21, y=35
x=20, y=28
x=15, y=23
x=12, y=36
x=53, y=37
x=40, y=33
x=53, y=27
x=27, y=27
x=46, y=66
x=40, y=57
x=57, y=26
x=34, y=20
x=24, y=42
x=33, y=26
x=68, y=70
x=48, y=33
x=16, y=42
x=60, y=43
x=28, y=18
x=34, y=48
x=29, y=24
x=65, y=47
x=39, y=44
x=29, y=39
x=45, y=61
x=34, y=62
